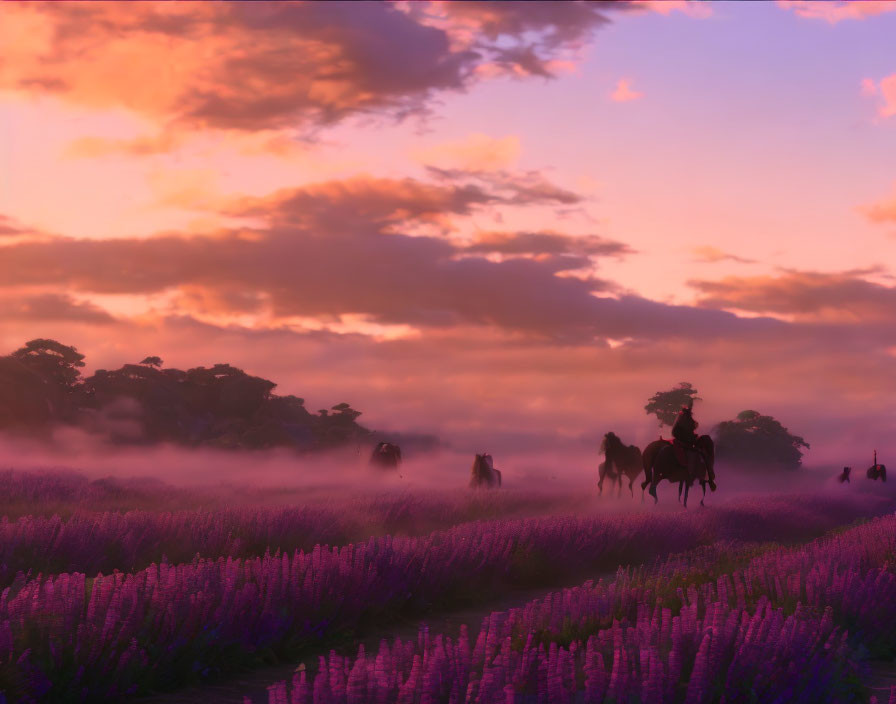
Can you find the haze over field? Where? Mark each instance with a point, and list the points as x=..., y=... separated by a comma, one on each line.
x=505, y=224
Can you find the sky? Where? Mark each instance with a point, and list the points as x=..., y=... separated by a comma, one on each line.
x=503, y=223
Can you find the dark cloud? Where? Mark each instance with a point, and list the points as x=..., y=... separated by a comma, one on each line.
x=538, y=30
x=271, y=65
x=12, y=228
x=518, y=188
x=338, y=248
x=373, y=202
x=50, y=307
x=807, y=295
x=550, y=243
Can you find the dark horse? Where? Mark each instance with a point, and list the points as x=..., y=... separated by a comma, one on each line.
x=844, y=477
x=683, y=460
x=877, y=471
x=619, y=460
x=483, y=472
x=386, y=454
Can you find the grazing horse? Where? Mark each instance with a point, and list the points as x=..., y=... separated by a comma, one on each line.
x=483, y=473
x=386, y=455
x=844, y=477
x=661, y=462
x=619, y=460
x=877, y=471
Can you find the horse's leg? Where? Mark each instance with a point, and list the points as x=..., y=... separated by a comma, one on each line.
x=631, y=484
x=703, y=485
x=687, y=488
x=680, y=487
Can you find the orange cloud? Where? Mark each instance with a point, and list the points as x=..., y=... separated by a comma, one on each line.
x=252, y=66
x=712, y=255
x=881, y=212
x=477, y=152
x=624, y=92
x=808, y=296
x=835, y=11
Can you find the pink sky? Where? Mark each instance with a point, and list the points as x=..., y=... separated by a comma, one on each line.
x=484, y=220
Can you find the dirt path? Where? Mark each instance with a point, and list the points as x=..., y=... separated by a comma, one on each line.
x=254, y=684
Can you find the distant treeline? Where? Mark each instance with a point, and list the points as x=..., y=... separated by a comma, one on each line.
x=41, y=387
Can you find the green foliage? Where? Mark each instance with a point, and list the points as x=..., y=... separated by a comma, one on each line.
x=665, y=405
x=759, y=441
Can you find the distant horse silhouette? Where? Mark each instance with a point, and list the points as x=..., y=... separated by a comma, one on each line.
x=386, y=455
x=619, y=460
x=483, y=473
x=877, y=471
x=661, y=462
x=844, y=476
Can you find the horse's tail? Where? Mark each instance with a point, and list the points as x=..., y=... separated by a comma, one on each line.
x=708, y=449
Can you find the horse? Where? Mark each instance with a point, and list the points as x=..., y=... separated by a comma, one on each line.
x=877, y=471
x=619, y=459
x=386, y=455
x=483, y=473
x=661, y=462
x=844, y=477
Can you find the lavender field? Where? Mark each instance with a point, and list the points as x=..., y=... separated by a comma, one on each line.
x=763, y=597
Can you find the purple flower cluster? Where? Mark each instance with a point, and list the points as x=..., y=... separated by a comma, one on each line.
x=105, y=542
x=781, y=627
x=72, y=638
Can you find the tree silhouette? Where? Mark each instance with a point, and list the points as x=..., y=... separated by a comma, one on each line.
x=665, y=405
x=218, y=406
x=758, y=441
x=57, y=363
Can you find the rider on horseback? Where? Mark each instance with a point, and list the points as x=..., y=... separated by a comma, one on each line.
x=685, y=444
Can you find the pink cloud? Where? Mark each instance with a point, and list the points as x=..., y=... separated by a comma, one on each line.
x=886, y=89
x=692, y=8
x=834, y=11
x=624, y=92
x=882, y=212
x=251, y=66
x=809, y=296
x=476, y=152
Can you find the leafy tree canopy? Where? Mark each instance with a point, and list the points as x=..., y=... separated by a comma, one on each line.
x=54, y=361
x=665, y=405
x=220, y=406
x=758, y=441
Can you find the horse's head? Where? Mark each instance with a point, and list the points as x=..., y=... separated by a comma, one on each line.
x=610, y=440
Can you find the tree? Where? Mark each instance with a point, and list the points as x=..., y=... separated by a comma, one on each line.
x=758, y=441
x=153, y=362
x=27, y=401
x=55, y=362
x=665, y=405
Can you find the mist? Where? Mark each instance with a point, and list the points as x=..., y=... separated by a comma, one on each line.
x=539, y=463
